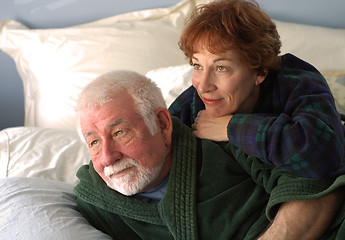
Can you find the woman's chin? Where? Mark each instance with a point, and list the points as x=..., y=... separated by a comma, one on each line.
x=217, y=112
x=214, y=113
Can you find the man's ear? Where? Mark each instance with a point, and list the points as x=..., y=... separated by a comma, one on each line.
x=260, y=77
x=165, y=124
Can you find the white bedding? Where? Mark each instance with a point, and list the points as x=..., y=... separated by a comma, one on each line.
x=42, y=210
x=54, y=154
x=48, y=147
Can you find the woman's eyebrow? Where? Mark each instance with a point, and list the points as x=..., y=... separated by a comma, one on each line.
x=217, y=59
x=222, y=59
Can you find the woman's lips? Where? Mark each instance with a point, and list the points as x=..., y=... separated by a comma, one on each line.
x=209, y=101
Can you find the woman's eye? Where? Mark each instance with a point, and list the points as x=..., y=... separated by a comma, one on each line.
x=197, y=66
x=221, y=68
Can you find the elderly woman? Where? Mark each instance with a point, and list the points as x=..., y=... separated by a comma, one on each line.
x=278, y=108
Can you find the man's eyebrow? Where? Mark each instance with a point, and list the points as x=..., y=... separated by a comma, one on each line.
x=88, y=134
x=115, y=123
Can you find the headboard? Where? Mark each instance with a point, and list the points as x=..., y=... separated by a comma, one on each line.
x=37, y=14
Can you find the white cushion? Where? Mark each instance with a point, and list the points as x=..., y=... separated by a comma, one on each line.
x=40, y=209
x=322, y=47
x=336, y=82
x=54, y=154
x=178, y=78
x=55, y=64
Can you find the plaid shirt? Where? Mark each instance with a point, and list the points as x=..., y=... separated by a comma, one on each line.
x=294, y=125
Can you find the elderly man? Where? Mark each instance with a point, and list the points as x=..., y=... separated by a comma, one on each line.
x=150, y=178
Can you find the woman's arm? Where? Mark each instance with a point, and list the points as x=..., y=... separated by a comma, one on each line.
x=307, y=206
x=304, y=219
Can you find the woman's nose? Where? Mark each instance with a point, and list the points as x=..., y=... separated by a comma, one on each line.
x=203, y=82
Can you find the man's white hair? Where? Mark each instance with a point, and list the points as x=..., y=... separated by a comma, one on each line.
x=147, y=96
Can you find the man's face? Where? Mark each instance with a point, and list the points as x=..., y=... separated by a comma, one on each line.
x=123, y=152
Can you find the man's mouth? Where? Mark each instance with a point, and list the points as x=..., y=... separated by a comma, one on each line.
x=109, y=173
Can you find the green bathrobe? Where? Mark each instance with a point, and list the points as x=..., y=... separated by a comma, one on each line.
x=215, y=191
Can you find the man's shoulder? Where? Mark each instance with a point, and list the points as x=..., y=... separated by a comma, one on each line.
x=89, y=181
x=83, y=173
x=182, y=133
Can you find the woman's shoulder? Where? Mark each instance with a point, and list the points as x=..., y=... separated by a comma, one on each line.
x=291, y=63
x=186, y=106
x=295, y=70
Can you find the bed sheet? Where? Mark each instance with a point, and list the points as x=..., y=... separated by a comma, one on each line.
x=36, y=209
x=47, y=153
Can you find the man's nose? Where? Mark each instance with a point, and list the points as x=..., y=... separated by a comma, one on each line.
x=111, y=153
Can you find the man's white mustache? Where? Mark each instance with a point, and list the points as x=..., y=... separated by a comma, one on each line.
x=120, y=166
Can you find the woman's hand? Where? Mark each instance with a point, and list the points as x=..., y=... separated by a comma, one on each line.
x=214, y=129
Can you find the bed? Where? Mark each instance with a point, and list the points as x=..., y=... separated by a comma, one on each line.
x=38, y=160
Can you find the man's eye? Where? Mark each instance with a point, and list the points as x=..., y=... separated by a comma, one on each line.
x=94, y=147
x=119, y=133
x=94, y=143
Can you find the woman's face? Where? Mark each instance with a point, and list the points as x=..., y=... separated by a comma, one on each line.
x=225, y=83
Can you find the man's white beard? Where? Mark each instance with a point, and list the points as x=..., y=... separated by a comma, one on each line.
x=135, y=180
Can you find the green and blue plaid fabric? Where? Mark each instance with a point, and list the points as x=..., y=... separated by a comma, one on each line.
x=294, y=125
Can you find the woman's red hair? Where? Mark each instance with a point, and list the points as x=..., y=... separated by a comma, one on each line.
x=233, y=24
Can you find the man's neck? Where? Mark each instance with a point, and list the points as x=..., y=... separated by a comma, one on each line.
x=155, y=194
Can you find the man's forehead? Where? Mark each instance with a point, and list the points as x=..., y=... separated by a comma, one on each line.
x=121, y=110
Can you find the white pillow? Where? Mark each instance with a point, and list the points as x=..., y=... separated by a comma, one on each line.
x=55, y=64
x=54, y=154
x=336, y=82
x=172, y=80
x=32, y=208
x=322, y=47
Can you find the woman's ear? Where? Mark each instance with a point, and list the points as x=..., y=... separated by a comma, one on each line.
x=260, y=77
x=165, y=124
